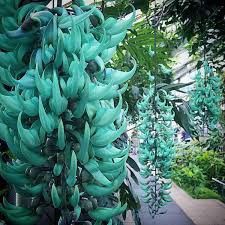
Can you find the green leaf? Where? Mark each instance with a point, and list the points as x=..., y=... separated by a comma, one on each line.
x=176, y=87
x=134, y=177
x=133, y=164
x=183, y=118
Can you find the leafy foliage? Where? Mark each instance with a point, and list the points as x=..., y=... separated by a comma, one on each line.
x=215, y=141
x=183, y=117
x=137, y=44
x=189, y=176
x=209, y=161
x=205, y=193
x=194, y=168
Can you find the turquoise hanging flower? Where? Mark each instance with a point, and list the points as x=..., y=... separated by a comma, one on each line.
x=205, y=99
x=157, y=146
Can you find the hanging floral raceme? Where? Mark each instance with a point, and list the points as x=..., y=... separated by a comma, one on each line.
x=205, y=99
x=157, y=146
x=58, y=112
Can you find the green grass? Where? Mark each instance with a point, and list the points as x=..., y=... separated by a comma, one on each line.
x=202, y=193
x=206, y=193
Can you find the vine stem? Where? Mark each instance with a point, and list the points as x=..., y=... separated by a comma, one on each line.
x=103, y=6
x=204, y=120
x=155, y=25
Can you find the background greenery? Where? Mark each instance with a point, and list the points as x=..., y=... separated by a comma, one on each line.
x=194, y=167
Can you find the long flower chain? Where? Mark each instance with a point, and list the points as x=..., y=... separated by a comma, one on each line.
x=205, y=99
x=61, y=111
x=157, y=147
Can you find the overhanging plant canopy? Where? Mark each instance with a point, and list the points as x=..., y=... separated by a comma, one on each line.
x=58, y=115
x=199, y=21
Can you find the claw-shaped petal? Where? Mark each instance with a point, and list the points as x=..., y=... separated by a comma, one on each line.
x=44, y=86
x=83, y=154
x=109, y=135
x=119, y=77
x=28, y=136
x=57, y=103
x=11, y=103
x=61, y=136
x=105, y=116
x=66, y=21
x=116, y=39
x=98, y=92
x=27, y=81
x=93, y=168
x=107, y=54
x=6, y=77
x=31, y=156
x=121, y=25
x=92, y=48
x=106, y=214
x=47, y=120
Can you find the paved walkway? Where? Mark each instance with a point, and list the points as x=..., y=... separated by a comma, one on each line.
x=201, y=211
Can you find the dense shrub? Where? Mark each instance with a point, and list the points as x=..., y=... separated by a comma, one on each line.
x=194, y=167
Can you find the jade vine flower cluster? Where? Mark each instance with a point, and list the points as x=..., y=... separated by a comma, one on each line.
x=61, y=110
x=157, y=147
x=205, y=99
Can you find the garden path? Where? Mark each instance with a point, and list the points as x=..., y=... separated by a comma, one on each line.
x=201, y=211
